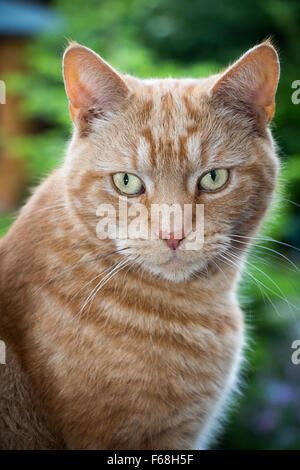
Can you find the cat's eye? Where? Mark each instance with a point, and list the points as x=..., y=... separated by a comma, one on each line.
x=129, y=184
x=213, y=180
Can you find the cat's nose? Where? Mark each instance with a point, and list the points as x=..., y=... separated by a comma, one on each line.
x=172, y=242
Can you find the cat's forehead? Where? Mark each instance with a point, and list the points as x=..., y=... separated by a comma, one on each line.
x=170, y=127
x=171, y=105
x=175, y=126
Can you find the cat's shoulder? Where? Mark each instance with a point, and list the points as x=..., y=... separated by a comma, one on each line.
x=22, y=426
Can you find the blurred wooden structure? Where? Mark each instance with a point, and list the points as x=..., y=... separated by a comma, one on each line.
x=12, y=170
x=19, y=22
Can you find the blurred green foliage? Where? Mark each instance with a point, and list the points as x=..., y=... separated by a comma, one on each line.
x=175, y=38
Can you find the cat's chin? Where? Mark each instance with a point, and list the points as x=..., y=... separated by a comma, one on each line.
x=174, y=270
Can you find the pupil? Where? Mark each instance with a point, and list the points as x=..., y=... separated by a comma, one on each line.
x=213, y=175
x=126, y=179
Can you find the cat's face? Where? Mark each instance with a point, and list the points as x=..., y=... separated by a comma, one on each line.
x=197, y=142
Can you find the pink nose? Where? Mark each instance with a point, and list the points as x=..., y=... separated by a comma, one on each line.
x=172, y=242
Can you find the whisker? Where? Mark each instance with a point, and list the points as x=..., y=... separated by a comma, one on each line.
x=289, y=200
x=56, y=207
x=106, y=279
x=253, y=278
x=78, y=264
x=100, y=284
x=282, y=296
x=268, y=239
x=89, y=282
x=268, y=249
x=220, y=269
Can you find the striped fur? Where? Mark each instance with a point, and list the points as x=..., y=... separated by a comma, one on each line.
x=150, y=361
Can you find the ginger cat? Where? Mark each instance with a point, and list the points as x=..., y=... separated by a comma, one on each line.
x=136, y=343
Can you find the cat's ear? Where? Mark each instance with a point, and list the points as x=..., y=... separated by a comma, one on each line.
x=93, y=87
x=249, y=85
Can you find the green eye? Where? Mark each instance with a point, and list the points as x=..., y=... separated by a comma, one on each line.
x=128, y=184
x=213, y=180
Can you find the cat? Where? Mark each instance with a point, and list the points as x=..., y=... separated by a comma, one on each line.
x=136, y=343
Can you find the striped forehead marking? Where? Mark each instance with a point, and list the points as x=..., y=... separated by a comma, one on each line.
x=184, y=147
x=194, y=147
x=171, y=134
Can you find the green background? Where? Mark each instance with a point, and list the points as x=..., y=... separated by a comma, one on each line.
x=194, y=38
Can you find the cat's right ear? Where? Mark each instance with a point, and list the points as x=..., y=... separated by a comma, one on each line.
x=249, y=86
x=93, y=87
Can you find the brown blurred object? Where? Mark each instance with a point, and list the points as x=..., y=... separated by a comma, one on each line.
x=12, y=123
x=19, y=22
x=12, y=182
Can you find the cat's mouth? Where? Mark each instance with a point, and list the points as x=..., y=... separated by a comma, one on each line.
x=175, y=268
x=175, y=261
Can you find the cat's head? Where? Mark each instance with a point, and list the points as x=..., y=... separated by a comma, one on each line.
x=190, y=141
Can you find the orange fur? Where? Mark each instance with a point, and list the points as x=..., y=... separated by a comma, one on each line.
x=150, y=362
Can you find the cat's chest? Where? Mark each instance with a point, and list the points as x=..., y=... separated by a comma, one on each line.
x=157, y=352
x=126, y=373
x=115, y=340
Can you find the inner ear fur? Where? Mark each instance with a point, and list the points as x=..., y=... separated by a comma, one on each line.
x=93, y=87
x=249, y=85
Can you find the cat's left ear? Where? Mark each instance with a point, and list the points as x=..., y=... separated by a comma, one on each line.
x=249, y=85
x=94, y=88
